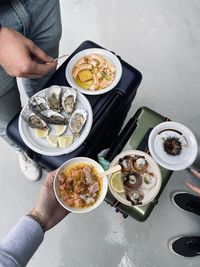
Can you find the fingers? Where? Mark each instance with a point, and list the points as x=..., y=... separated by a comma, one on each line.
x=194, y=188
x=195, y=173
x=39, y=53
x=42, y=69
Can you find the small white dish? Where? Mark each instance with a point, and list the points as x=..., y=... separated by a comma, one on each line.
x=103, y=189
x=189, y=150
x=153, y=167
x=107, y=55
x=41, y=145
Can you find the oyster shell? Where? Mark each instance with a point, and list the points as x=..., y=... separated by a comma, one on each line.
x=53, y=117
x=38, y=104
x=53, y=98
x=33, y=120
x=69, y=100
x=77, y=121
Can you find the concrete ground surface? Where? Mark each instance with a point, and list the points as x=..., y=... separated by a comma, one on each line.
x=162, y=39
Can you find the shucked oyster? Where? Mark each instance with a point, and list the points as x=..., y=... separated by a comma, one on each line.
x=33, y=120
x=68, y=100
x=77, y=121
x=53, y=117
x=53, y=97
x=38, y=104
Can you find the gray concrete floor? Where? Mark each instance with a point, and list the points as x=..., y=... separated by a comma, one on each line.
x=162, y=39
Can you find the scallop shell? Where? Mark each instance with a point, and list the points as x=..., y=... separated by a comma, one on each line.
x=53, y=117
x=69, y=100
x=33, y=120
x=77, y=121
x=38, y=104
x=53, y=97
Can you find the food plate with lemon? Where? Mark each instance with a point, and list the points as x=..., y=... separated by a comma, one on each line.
x=139, y=180
x=55, y=121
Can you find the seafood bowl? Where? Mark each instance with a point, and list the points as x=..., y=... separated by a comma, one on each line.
x=94, y=71
x=141, y=181
x=55, y=121
x=78, y=194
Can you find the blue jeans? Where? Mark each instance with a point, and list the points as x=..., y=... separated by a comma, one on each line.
x=38, y=20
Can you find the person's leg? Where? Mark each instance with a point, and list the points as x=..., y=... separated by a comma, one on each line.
x=45, y=32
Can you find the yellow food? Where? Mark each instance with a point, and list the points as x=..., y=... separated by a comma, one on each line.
x=116, y=182
x=53, y=140
x=41, y=133
x=85, y=75
x=60, y=129
x=65, y=141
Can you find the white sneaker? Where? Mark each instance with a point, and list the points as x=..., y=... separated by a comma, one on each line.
x=29, y=167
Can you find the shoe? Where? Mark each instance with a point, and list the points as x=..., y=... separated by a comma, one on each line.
x=29, y=168
x=186, y=201
x=185, y=246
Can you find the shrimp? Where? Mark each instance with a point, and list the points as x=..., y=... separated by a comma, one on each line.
x=105, y=82
x=99, y=58
x=82, y=61
x=81, y=67
x=96, y=83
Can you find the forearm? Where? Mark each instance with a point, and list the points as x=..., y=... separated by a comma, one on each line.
x=21, y=242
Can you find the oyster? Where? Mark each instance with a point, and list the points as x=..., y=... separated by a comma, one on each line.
x=68, y=100
x=33, y=120
x=53, y=117
x=53, y=98
x=77, y=121
x=38, y=104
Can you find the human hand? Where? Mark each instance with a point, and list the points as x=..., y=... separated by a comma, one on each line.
x=47, y=208
x=195, y=189
x=20, y=57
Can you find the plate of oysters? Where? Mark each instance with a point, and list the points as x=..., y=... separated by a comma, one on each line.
x=56, y=120
x=139, y=180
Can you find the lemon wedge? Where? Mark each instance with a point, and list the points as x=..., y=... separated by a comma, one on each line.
x=60, y=129
x=65, y=140
x=53, y=140
x=116, y=182
x=41, y=133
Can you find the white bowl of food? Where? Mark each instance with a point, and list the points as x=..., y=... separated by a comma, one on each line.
x=139, y=180
x=94, y=71
x=78, y=185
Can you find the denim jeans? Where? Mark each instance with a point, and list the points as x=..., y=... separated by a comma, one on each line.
x=38, y=20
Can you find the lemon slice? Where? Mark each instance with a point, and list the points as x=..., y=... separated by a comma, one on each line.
x=116, y=182
x=53, y=140
x=41, y=133
x=65, y=140
x=60, y=129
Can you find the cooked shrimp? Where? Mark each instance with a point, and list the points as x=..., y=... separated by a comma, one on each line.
x=99, y=58
x=106, y=82
x=77, y=69
x=82, y=61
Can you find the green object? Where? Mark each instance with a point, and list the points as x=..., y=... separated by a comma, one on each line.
x=146, y=119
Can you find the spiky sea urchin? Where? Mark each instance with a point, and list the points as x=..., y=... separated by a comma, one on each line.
x=172, y=146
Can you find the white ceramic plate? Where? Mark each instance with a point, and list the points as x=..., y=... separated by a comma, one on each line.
x=103, y=190
x=189, y=149
x=107, y=55
x=153, y=167
x=41, y=145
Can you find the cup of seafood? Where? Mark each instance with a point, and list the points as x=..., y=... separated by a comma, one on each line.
x=139, y=180
x=79, y=185
x=94, y=71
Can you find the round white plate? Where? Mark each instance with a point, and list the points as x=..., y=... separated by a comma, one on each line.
x=106, y=54
x=187, y=138
x=103, y=190
x=148, y=196
x=41, y=145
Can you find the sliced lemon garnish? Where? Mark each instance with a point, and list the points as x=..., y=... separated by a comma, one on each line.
x=116, y=182
x=41, y=133
x=53, y=140
x=65, y=140
x=60, y=129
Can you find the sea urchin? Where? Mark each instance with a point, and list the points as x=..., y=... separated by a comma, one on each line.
x=172, y=145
